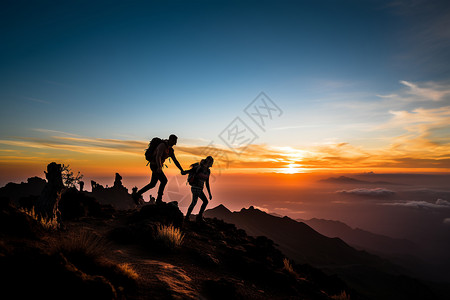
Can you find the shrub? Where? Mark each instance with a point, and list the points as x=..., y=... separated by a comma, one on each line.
x=169, y=236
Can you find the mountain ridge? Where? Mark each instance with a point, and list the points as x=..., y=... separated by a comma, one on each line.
x=350, y=180
x=303, y=244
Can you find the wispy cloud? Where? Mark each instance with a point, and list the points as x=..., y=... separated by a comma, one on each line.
x=81, y=145
x=50, y=131
x=425, y=91
x=418, y=92
x=427, y=38
x=36, y=100
x=376, y=192
x=425, y=133
x=438, y=204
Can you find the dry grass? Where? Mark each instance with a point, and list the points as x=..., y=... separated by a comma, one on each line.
x=342, y=296
x=83, y=244
x=49, y=224
x=170, y=236
x=86, y=250
x=128, y=271
x=288, y=266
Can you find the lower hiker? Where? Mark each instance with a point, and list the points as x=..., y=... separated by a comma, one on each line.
x=163, y=151
x=198, y=176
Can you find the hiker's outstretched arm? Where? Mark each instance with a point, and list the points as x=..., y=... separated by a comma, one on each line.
x=177, y=163
x=208, y=188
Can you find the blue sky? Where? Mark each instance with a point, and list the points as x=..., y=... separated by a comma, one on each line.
x=129, y=70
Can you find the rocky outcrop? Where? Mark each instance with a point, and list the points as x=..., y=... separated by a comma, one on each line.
x=117, y=195
x=46, y=205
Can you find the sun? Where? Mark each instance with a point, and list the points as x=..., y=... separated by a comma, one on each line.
x=291, y=158
x=291, y=169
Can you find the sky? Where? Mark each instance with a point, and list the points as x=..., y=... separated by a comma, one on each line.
x=265, y=86
x=281, y=93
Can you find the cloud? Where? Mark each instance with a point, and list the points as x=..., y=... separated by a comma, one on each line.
x=426, y=39
x=431, y=117
x=50, y=131
x=425, y=133
x=426, y=92
x=412, y=94
x=80, y=144
x=442, y=202
x=376, y=192
x=36, y=100
x=254, y=157
x=438, y=204
x=408, y=138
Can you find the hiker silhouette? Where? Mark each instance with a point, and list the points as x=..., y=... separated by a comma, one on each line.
x=198, y=176
x=163, y=151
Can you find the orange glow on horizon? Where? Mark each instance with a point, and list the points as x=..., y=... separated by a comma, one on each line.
x=97, y=157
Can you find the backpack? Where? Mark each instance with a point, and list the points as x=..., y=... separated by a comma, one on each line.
x=150, y=152
x=193, y=171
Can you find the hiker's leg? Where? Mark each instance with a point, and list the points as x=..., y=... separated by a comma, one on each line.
x=162, y=184
x=205, y=203
x=193, y=203
x=153, y=181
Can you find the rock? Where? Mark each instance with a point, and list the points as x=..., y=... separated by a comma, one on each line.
x=16, y=223
x=48, y=201
x=75, y=204
x=164, y=213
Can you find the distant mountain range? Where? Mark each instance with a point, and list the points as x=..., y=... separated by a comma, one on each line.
x=349, y=180
x=361, y=270
x=361, y=239
x=296, y=239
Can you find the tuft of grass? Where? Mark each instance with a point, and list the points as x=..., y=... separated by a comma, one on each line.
x=84, y=244
x=47, y=223
x=86, y=251
x=170, y=236
x=342, y=296
x=128, y=271
x=288, y=266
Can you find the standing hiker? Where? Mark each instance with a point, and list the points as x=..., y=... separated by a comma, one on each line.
x=198, y=176
x=158, y=151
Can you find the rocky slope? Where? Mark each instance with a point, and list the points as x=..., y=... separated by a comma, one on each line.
x=108, y=254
